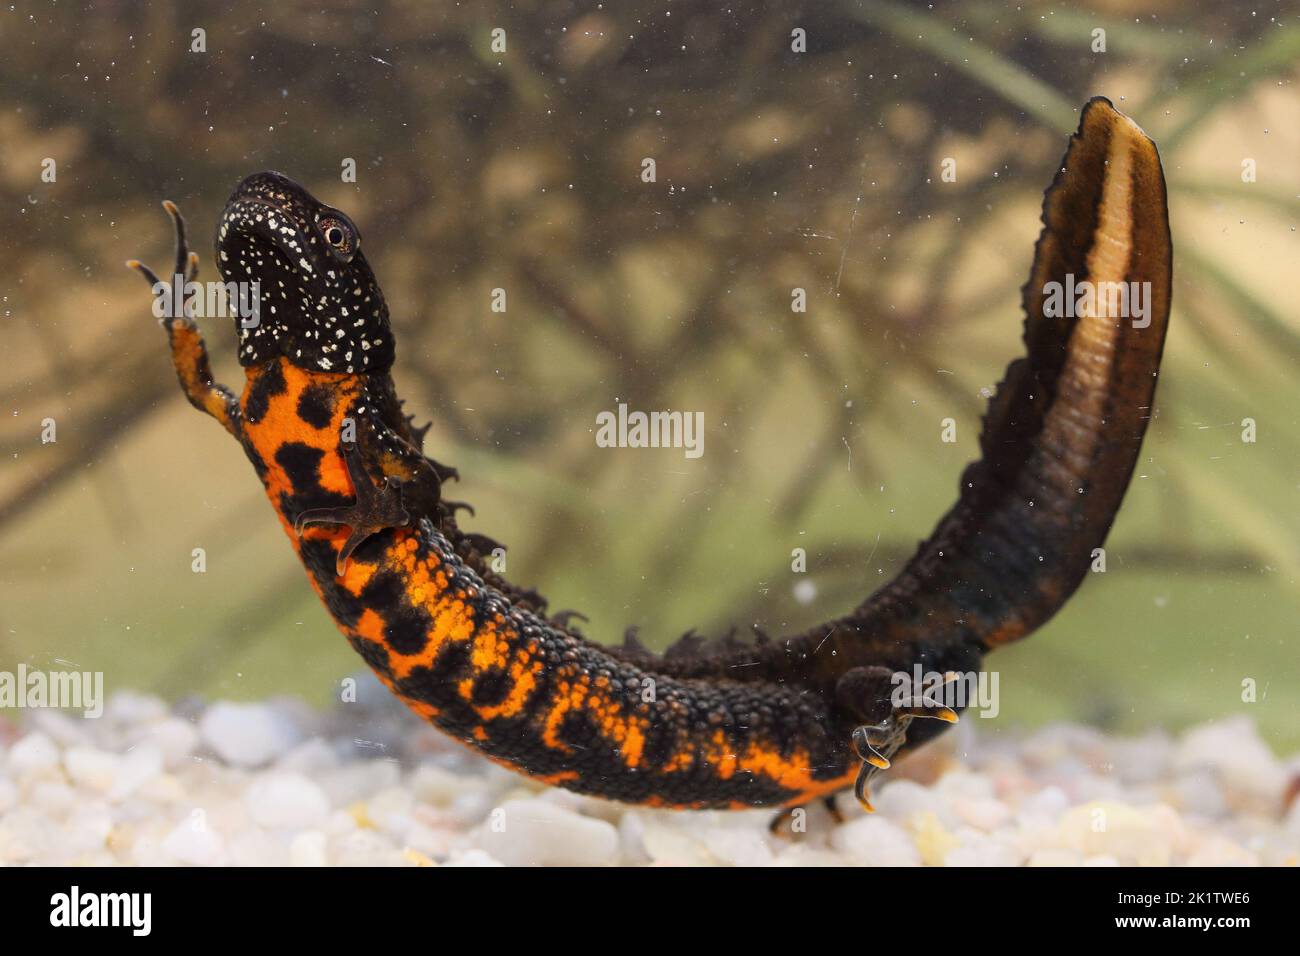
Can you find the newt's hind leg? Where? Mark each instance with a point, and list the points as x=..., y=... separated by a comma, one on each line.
x=869, y=693
x=189, y=355
x=782, y=824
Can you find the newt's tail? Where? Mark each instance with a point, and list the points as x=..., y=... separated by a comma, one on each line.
x=1062, y=434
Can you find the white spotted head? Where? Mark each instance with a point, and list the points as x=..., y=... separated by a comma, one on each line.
x=320, y=306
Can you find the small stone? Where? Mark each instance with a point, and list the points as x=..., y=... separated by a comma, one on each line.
x=734, y=846
x=800, y=855
x=1053, y=857
x=965, y=785
x=1234, y=750
x=138, y=767
x=1144, y=759
x=91, y=768
x=175, y=739
x=980, y=849
x=54, y=798
x=1219, y=851
x=536, y=833
x=1136, y=837
x=1046, y=805
x=437, y=786
x=287, y=800
x=64, y=729
x=1198, y=791
x=669, y=845
x=308, y=849
x=472, y=858
x=247, y=735
x=933, y=839
x=904, y=800
x=127, y=708
x=311, y=757
x=355, y=782
x=195, y=844
x=985, y=813
x=87, y=829
x=256, y=847
x=875, y=841
x=631, y=838
x=33, y=754
x=390, y=809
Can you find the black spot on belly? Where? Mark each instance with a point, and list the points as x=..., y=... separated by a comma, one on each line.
x=301, y=463
x=267, y=385
x=661, y=741
x=437, y=685
x=492, y=688
x=316, y=405
x=578, y=729
x=406, y=627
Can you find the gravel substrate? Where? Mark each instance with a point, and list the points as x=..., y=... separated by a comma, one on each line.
x=275, y=783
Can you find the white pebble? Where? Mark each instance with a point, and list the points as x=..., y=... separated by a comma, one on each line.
x=734, y=846
x=247, y=735
x=194, y=843
x=127, y=708
x=1048, y=856
x=287, y=800
x=308, y=849
x=985, y=813
x=174, y=738
x=875, y=841
x=1217, y=851
x=92, y=768
x=87, y=829
x=472, y=858
x=1233, y=749
x=138, y=767
x=33, y=754
x=536, y=833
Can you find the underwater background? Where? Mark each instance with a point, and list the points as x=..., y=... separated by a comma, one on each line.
x=776, y=170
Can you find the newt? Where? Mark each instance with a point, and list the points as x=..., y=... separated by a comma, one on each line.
x=773, y=723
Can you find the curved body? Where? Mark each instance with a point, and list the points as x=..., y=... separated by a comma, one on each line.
x=776, y=723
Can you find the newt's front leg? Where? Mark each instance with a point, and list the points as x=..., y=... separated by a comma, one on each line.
x=189, y=354
x=375, y=509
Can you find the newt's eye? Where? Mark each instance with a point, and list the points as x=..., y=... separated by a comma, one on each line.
x=340, y=235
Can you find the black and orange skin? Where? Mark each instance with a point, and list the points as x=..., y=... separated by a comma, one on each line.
x=763, y=725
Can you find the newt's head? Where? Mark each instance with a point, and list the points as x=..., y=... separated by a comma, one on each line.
x=318, y=302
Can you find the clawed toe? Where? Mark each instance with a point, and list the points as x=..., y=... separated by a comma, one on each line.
x=875, y=744
x=186, y=265
x=376, y=509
